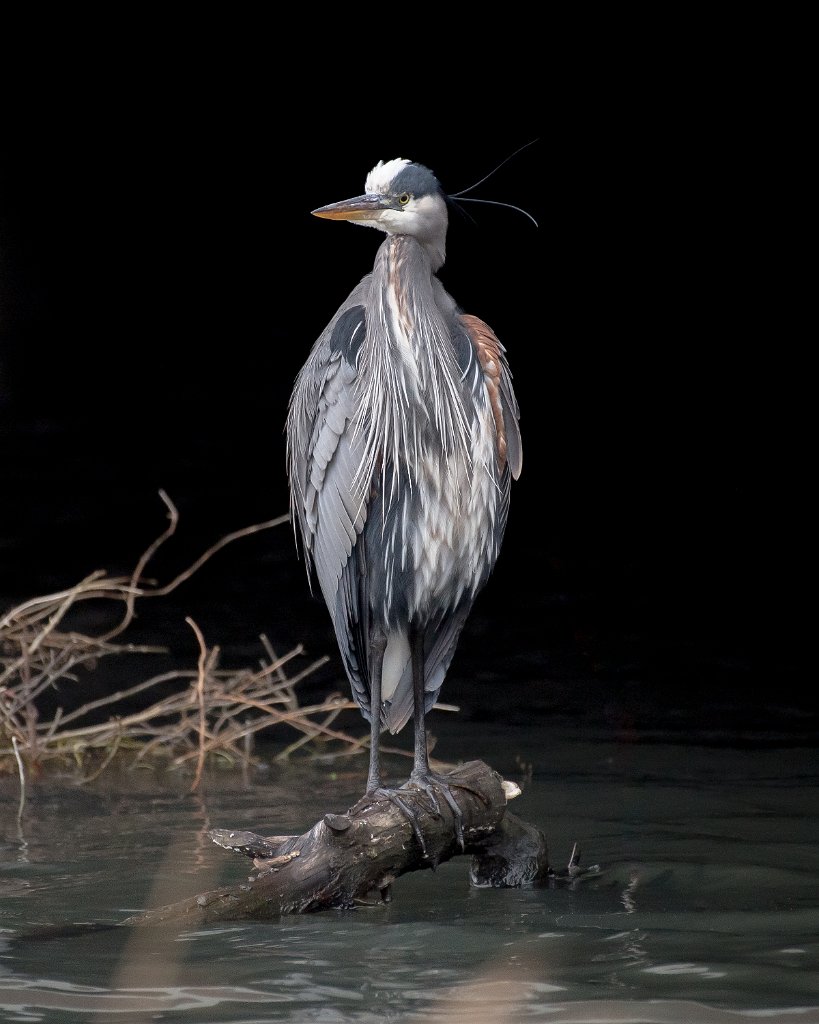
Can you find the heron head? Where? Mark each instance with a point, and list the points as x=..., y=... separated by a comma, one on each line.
x=401, y=198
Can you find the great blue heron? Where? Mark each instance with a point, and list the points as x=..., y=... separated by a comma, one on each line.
x=402, y=438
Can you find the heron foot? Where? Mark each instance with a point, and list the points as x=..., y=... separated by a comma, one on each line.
x=403, y=807
x=431, y=783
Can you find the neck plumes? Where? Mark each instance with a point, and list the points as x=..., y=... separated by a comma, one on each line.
x=413, y=384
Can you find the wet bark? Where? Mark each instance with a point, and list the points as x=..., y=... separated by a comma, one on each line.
x=352, y=859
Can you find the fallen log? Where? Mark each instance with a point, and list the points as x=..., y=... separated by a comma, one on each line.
x=346, y=860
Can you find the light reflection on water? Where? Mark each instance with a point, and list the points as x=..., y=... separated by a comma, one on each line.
x=707, y=908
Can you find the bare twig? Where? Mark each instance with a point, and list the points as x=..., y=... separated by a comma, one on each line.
x=132, y=591
x=22, y=772
x=228, y=539
x=109, y=757
x=200, y=700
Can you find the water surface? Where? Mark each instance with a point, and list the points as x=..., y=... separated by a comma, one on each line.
x=706, y=907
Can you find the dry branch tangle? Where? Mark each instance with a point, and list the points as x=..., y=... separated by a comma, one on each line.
x=217, y=711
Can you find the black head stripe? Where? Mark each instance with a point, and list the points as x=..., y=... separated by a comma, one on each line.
x=417, y=180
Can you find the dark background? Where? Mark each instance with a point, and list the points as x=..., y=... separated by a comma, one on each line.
x=162, y=281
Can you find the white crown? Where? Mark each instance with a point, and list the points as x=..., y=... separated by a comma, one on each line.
x=382, y=175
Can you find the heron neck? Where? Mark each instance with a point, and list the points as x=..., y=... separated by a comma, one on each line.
x=436, y=250
x=434, y=247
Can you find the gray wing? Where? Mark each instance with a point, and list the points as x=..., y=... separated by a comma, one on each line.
x=328, y=499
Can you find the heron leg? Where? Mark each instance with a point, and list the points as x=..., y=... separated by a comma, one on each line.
x=421, y=775
x=420, y=763
x=378, y=645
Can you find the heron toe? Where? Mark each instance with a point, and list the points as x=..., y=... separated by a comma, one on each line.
x=430, y=782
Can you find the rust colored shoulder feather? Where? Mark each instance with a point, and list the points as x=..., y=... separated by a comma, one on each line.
x=493, y=363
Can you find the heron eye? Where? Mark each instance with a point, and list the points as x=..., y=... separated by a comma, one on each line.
x=404, y=198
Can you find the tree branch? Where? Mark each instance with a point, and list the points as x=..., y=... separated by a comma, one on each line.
x=349, y=859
